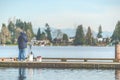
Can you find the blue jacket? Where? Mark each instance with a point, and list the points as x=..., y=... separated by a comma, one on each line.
x=22, y=41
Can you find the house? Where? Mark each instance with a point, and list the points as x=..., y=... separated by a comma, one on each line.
x=99, y=39
x=71, y=39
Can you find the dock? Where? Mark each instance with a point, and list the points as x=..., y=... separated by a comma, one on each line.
x=86, y=63
x=89, y=63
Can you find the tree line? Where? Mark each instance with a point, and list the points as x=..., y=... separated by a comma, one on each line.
x=86, y=39
x=9, y=34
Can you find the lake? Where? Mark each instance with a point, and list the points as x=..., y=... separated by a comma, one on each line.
x=60, y=74
x=69, y=51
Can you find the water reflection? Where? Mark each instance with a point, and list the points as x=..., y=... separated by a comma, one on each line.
x=30, y=73
x=34, y=74
x=117, y=74
x=22, y=75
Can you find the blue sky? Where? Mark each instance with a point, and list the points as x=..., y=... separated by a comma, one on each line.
x=63, y=13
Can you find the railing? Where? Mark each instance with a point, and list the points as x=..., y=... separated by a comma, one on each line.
x=45, y=59
x=79, y=59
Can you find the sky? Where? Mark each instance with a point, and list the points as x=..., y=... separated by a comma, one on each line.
x=63, y=14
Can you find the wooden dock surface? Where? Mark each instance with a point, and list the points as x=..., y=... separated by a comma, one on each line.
x=89, y=63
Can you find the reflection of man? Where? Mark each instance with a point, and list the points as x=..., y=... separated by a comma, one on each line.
x=22, y=44
x=22, y=74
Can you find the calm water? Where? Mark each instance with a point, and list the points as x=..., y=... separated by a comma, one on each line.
x=71, y=51
x=59, y=74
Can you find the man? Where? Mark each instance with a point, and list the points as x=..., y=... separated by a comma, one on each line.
x=22, y=44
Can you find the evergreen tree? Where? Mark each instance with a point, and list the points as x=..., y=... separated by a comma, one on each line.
x=29, y=26
x=99, y=35
x=29, y=34
x=17, y=33
x=107, y=40
x=116, y=33
x=5, y=35
x=48, y=32
x=38, y=37
x=65, y=38
x=43, y=36
x=79, y=37
x=89, y=37
x=11, y=27
x=20, y=24
x=15, y=28
x=25, y=26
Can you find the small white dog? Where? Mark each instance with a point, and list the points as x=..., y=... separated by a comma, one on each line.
x=30, y=57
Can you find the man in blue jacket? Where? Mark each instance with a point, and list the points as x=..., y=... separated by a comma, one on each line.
x=22, y=44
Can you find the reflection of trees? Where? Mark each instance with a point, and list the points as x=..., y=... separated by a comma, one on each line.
x=117, y=74
x=21, y=74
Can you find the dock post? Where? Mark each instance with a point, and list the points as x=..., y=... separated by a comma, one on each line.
x=117, y=53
